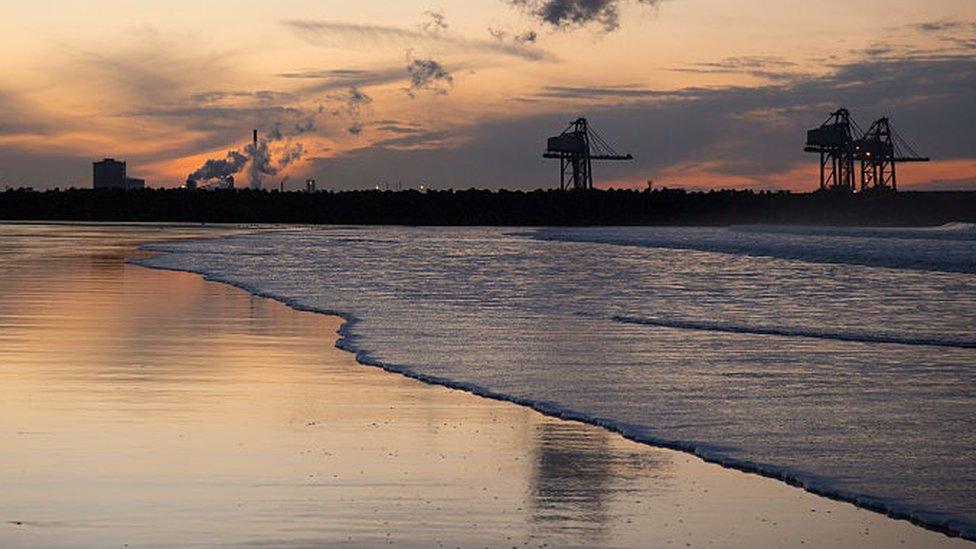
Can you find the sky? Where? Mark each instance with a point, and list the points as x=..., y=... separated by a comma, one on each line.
x=460, y=94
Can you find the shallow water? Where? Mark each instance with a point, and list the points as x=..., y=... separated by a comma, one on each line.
x=842, y=359
x=148, y=408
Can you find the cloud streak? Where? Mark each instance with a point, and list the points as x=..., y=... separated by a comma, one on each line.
x=340, y=35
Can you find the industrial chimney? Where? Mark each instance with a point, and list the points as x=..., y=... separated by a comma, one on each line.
x=255, y=179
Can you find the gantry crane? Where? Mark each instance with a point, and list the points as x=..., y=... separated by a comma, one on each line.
x=576, y=148
x=834, y=141
x=879, y=151
x=841, y=142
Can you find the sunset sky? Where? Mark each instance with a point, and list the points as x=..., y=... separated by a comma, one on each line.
x=704, y=93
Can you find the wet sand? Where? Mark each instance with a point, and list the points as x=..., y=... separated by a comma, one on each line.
x=150, y=408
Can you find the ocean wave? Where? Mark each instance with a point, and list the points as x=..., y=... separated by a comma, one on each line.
x=955, y=227
x=795, y=332
x=949, y=231
x=909, y=249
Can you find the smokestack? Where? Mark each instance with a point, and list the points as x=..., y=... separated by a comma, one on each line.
x=255, y=139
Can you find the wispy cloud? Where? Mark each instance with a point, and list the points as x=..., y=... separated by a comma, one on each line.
x=590, y=93
x=335, y=34
x=768, y=67
x=337, y=79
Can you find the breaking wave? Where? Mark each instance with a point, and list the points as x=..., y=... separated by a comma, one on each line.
x=794, y=332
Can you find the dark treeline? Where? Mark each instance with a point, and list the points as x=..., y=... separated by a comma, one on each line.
x=473, y=207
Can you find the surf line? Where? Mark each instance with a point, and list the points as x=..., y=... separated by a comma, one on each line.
x=792, y=332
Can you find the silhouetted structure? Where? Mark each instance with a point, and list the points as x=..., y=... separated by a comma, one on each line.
x=255, y=181
x=834, y=141
x=576, y=148
x=110, y=174
x=879, y=152
x=840, y=142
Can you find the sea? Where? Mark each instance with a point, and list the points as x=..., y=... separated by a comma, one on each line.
x=841, y=360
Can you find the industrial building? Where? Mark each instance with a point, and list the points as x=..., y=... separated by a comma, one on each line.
x=110, y=174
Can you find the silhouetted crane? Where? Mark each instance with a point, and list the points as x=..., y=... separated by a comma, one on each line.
x=577, y=147
x=878, y=150
x=834, y=141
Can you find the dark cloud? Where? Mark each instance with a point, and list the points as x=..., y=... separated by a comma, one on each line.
x=952, y=33
x=435, y=24
x=356, y=99
x=353, y=105
x=429, y=75
x=415, y=140
x=323, y=74
x=262, y=96
x=876, y=50
x=526, y=37
x=229, y=121
x=773, y=68
x=942, y=26
x=341, y=35
x=342, y=79
x=397, y=127
x=591, y=93
x=577, y=13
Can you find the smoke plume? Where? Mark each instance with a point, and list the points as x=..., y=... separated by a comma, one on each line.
x=267, y=157
x=220, y=168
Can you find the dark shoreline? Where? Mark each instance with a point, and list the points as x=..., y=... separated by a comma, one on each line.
x=492, y=208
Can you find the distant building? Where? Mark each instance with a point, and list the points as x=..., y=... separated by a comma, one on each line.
x=110, y=174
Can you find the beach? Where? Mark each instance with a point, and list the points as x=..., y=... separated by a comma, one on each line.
x=150, y=408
